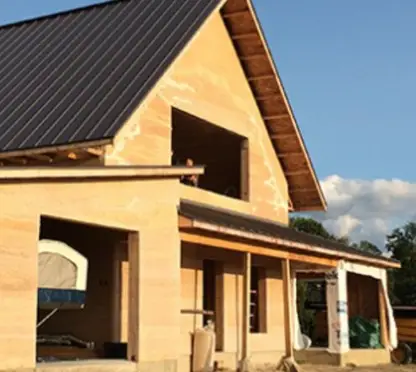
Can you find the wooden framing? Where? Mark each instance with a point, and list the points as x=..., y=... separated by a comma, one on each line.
x=252, y=247
x=243, y=26
x=62, y=155
x=288, y=311
x=47, y=173
x=245, y=350
x=383, y=316
x=245, y=184
x=228, y=238
x=133, y=317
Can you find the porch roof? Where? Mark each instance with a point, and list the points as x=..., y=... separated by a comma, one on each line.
x=219, y=220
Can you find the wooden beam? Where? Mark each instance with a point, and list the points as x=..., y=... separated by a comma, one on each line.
x=276, y=246
x=245, y=349
x=18, y=161
x=297, y=173
x=276, y=117
x=243, y=36
x=235, y=14
x=184, y=222
x=244, y=170
x=41, y=157
x=299, y=189
x=383, y=316
x=283, y=136
x=268, y=96
x=252, y=57
x=54, y=149
x=252, y=17
x=133, y=306
x=95, y=151
x=253, y=248
x=288, y=307
x=290, y=153
x=261, y=77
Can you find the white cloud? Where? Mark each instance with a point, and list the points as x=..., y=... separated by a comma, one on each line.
x=367, y=210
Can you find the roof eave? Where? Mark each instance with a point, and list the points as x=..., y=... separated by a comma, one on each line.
x=319, y=202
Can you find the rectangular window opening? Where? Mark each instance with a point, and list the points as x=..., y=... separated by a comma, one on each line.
x=224, y=155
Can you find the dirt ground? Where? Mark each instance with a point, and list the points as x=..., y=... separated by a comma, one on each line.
x=387, y=368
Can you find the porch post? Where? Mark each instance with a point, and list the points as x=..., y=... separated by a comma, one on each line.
x=288, y=307
x=245, y=350
x=337, y=311
x=133, y=304
x=383, y=316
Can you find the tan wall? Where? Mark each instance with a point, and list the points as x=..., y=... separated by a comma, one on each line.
x=129, y=205
x=207, y=81
x=265, y=347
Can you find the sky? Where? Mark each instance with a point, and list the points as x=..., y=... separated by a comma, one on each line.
x=348, y=68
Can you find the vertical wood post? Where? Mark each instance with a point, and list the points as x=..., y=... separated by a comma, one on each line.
x=287, y=304
x=116, y=294
x=382, y=315
x=245, y=350
x=133, y=316
x=245, y=194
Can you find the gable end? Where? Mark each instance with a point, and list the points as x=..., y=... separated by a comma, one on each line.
x=255, y=57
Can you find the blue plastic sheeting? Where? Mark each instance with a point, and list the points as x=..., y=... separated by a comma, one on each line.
x=61, y=296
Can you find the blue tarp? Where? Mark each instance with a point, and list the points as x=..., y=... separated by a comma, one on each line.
x=61, y=296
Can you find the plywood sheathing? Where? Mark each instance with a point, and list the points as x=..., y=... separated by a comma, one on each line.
x=242, y=24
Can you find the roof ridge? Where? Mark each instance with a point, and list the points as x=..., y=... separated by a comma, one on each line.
x=62, y=12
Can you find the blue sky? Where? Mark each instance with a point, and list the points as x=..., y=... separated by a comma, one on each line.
x=348, y=67
x=349, y=70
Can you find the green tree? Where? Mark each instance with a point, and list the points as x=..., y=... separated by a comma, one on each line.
x=402, y=244
x=310, y=226
x=366, y=246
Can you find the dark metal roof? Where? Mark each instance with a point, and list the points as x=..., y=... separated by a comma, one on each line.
x=251, y=224
x=76, y=76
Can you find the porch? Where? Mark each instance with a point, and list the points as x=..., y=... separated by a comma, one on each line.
x=242, y=271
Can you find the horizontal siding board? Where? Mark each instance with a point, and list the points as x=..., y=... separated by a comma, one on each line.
x=77, y=76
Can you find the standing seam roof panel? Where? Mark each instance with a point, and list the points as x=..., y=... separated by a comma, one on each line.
x=77, y=76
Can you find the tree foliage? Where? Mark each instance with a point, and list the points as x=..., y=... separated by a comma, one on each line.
x=366, y=246
x=402, y=244
x=311, y=226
